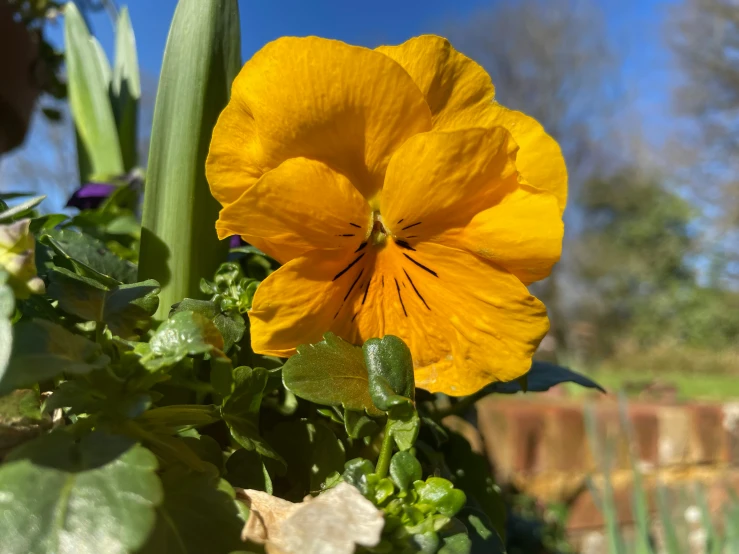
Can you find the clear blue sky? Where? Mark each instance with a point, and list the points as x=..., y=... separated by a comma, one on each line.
x=635, y=27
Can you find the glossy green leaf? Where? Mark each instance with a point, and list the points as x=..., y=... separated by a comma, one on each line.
x=126, y=309
x=184, y=334
x=331, y=373
x=404, y=470
x=89, y=100
x=390, y=369
x=240, y=409
x=89, y=257
x=125, y=89
x=61, y=496
x=199, y=514
x=201, y=59
x=43, y=350
x=441, y=495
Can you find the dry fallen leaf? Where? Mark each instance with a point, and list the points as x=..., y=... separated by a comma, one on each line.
x=335, y=522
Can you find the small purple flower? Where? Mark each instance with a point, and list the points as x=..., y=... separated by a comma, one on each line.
x=90, y=195
x=236, y=242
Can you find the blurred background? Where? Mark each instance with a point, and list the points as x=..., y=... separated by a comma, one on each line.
x=643, y=96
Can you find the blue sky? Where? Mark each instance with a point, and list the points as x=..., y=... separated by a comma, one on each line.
x=635, y=29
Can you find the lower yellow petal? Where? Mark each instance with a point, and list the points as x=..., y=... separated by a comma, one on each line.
x=299, y=206
x=467, y=322
x=523, y=233
x=300, y=301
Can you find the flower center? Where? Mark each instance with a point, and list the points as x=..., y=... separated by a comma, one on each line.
x=378, y=235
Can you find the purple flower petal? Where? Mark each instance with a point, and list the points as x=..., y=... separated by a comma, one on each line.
x=90, y=195
x=236, y=241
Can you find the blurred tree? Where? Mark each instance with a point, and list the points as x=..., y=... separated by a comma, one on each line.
x=550, y=59
x=705, y=37
x=635, y=259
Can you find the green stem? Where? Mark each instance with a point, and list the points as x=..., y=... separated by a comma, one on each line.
x=386, y=452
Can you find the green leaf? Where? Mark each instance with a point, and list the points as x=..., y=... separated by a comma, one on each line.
x=125, y=89
x=456, y=544
x=45, y=222
x=201, y=59
x=405, y=469
x=358, y=425
x=330, y=373
x=89, y=101
x=390, y=369
x=312, y=453
x=7, y=307
x=246, y=469
x=199, y=514
x=441, y=495
x=185, y=334
x=126, y=309
x=542, y=377
x=43, y=350
x=170, y=449
x=206, y=448
x=89, y=257
x=404, y=425
x=21, y=209
x=21, y=419
x=471, y=473
x=231, y=326
x=179, y=418
x=240, y=409
x=62, y=496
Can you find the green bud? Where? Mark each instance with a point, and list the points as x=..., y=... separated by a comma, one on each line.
x=17, y=257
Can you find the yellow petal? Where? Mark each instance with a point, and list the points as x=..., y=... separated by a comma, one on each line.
x=522, y=233
x=440, y=180
x=299, y=206
x=467, y=322
x=300, y=301
x=347, y=106
x=461, y=95
x=451, y=82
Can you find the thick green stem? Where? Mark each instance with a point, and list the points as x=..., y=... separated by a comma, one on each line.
x=386, y=452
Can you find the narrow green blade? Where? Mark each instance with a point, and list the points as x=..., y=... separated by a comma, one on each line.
x=125, y=89
x=179, y=244
x=671, y=542
x=100, y=153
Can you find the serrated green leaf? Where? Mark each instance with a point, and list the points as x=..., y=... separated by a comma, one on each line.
x=89, y=100
x=231, y=326
x=240, y=409
x=90, y=257
x=125, y=89
x=199, y=514
x=43, y=350
x=126, y=309
x=330, y=373
x=61, y=496
x=201, y=59
x=184, y=334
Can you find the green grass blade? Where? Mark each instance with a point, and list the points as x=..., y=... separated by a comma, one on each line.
x=125, y=89
x=100, y=155
x=671, y=542
x=179, y=244
x=713, y=540
x=640, y=505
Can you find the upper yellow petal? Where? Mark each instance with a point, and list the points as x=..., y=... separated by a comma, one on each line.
x=461, y=95
x=440, y=180
x=299, y=206
x=451, y=82
x=347, y=106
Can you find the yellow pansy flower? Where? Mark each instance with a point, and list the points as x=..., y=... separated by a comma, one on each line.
x=400, y=198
